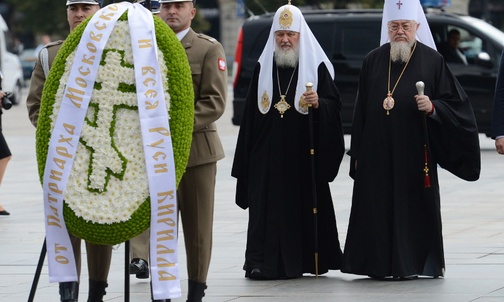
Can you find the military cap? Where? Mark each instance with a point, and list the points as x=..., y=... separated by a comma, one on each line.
x=70, y=2
x=154, y=5
x=172, y=1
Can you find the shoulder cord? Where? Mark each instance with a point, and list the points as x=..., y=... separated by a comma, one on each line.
x=44, y=60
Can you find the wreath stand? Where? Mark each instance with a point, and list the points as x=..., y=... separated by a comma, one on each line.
x=41, y=264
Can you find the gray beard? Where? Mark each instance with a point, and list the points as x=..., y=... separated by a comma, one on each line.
x=400, y=51
x=286, y=58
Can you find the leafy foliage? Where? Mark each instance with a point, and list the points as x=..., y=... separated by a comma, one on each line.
x=40, y=16
x=258, y=7
x=49, y=16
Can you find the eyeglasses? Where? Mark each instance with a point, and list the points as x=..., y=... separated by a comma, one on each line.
x=405, y=27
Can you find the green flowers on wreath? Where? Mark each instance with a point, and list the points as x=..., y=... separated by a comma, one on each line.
x=107, y=195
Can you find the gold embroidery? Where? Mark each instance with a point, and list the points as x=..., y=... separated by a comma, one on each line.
x=265, y=101
x=303, y=106
x=286, y=19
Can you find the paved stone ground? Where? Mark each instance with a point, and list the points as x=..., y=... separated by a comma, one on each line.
x=473, y=227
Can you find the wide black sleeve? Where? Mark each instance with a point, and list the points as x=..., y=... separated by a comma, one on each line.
x=359, y=118
x=241, y=161
x=498, y=103
x=454, y=141
x=331, y=144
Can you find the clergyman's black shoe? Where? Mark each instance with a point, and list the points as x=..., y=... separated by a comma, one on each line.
x=140, y=268
x=405, y=278
x=394, y=278
x=255, y=274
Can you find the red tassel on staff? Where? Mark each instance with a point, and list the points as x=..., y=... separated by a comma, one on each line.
x=426, y=168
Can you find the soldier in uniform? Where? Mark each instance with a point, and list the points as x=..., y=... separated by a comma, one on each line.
x=98, y=256
x=196, y=189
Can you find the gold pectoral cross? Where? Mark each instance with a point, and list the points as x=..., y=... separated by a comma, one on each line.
x=282, y=105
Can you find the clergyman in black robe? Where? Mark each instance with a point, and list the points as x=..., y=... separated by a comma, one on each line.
x=395, y=222
x=272, y=161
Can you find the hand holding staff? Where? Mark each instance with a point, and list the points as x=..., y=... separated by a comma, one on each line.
x=309, y=87
x=420, y=86
x=310, y=96
x=423, y=102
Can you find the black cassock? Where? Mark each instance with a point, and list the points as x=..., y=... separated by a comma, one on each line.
x=273, y=171
x=395, y=221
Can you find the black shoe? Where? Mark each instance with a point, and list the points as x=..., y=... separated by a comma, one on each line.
x=196, y=291
x=140, y=268
x=255, y=274
x=405, y=278
x=377, y=277
x=394, y=278
x=96, y=290
x=69, y=291
x=4, y=213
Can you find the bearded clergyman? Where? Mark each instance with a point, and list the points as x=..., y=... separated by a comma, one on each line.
x=272, y=161
x=411, y=115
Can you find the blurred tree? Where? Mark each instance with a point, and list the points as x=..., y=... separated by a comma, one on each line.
x=49, y=16
x=199, y=24
x=257, y=7
x=369, y=3
x=39, y=16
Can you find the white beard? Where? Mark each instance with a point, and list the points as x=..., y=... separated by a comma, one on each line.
x=286, y=58
x=400, y=51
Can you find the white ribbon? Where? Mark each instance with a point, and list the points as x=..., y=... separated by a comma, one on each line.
x=65, y=139
x=158, y=148
x=159, y=158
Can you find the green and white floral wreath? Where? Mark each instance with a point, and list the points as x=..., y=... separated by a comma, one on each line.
x=107, y=195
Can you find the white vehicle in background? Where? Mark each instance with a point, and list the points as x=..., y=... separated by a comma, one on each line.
x=10, y=65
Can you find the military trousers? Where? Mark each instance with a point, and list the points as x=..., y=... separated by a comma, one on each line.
x=195, y=197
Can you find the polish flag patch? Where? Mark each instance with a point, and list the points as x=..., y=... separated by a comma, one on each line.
x=222, y=64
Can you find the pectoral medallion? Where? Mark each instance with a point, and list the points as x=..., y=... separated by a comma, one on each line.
x=388, y=103
x=282, y=106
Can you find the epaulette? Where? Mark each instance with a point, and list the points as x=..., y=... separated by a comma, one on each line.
x=208, y=38
x=44, y=55
x=53, y=43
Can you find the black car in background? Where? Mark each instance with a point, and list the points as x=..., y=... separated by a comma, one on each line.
x=348, y=35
